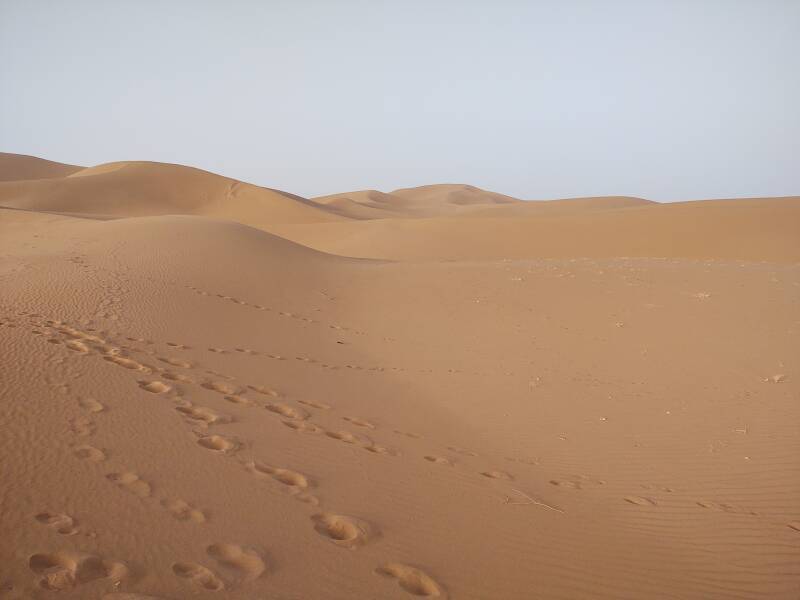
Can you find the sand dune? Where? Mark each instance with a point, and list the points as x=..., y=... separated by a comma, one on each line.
x=752, y=229
x=147, y=189
x=194, y=405
x=20, y=166
x=424, y=201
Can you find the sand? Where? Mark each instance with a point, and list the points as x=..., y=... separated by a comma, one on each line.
x=215, y=390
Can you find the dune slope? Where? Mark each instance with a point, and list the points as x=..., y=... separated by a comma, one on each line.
x=21, y=166
x=148, y=189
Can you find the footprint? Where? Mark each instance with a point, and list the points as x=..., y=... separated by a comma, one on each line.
x=89, y=453
x=218, y=443
x=640, y=501
x=498, y=475
x=127, y=363
x=220, y=387
x=64, y=570
x=246, y=562
x=175, y=362
x=313, y=404
x=183, y=511
x=63, y=524
x=377, y=449
x=359, y=422
x=286, y=411
x=439, y=460
x=239, y=400
x=344, y=531
x=154, y=387
x=575, y=485
x=343, y=436
x=178, y=346
x=412, y=580
x=203, y=415
x=91, y=405
x=302, y=426
x=131, y=482
x=199, y=575
x=77, y=346
x=292, y=479
x=794, y=525
x=262, y=389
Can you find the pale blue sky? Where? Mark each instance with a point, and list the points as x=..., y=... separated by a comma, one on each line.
x=666, y=99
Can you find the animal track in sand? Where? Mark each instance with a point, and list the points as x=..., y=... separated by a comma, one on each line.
x=262, y=389
x=154, y=387
x=77, y=346
x=343, y=436
x=359, y=422
x=221, y=387
x=63, y=524
x=291, y=479
x=377, y=449
x=218, y=443
x=201, y=414
x=175, y=362
x=313, y=404
x=247, y=563
x=412, y=580
x=131, y=482
x=91, y=405
x=239, y=400
x=575, y=485
x=439, y=460
x=344, y=531
x=178, y=346
x=302, y=426
x=64, y=570
x=640, y=501
x=286, y=411
x=496, y=474
x=199, y=575
x=127, y=363
x=183, y=511
x=89, y=453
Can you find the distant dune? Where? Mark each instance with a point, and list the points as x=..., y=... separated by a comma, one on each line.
x=20, y=166
x=211, y=389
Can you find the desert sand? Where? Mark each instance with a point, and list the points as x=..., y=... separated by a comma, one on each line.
x=211, y=389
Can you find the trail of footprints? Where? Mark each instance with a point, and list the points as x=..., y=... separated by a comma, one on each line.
x=62, y=571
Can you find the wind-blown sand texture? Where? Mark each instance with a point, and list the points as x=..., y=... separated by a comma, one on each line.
x=215, y=390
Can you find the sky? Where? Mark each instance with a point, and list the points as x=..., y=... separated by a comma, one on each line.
x=668, y=100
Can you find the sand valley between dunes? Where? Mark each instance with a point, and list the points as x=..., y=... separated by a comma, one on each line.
x=210, y=389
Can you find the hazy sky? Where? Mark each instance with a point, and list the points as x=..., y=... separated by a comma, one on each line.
x=663, y=99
